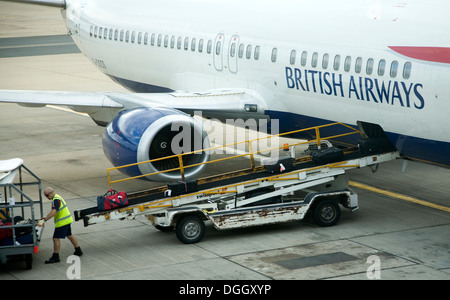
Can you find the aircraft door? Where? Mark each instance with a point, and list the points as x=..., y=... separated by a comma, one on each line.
x=232, y=54
x=218, y=51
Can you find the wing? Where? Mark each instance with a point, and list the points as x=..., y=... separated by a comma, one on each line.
x=103, y=107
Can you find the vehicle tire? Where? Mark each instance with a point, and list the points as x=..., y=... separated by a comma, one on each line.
x=326, y=213
x=190, y=229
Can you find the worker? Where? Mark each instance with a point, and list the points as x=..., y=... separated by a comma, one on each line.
x=61, y=214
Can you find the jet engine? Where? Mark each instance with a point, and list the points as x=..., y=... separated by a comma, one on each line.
x=142, y=134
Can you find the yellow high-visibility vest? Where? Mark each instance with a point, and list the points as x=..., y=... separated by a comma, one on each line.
x=62, y=216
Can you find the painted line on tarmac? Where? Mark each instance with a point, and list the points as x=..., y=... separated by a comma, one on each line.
x=398, y=196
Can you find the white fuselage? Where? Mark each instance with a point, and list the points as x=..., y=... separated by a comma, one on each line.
x=327, y=60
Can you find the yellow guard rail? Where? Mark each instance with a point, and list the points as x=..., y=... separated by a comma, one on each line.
x=250, y=153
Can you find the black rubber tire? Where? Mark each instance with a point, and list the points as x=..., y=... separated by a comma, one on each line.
x=326, y=213
x=190, y=229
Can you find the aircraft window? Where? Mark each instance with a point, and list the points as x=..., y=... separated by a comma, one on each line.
x=116, y=34
x=233, y=50
x=133, y=36
x=172, y=42
x=100, y=31
x=241, y=50
x=166, y=41
x=179, y=40
x=127, y=36
x=194, y=44
x=139, y=37
x=274, y=54
x=111, y=33
x=186, y=43
x=325, y=60
x=381, y=67
x=249, y=52
x=394, y=68
x=407, y=70
x=200, y=45
x=121, y=35
x=337, y=62
x=159, y=41
x=347, y=63
x=152, y=39
x=293, y=55
x=218, y=46
x=369, y=67
x=358, y=65
x=105, y=33
x=95, y=31
x=256, y=55
x=91, y=31
x=314, y=59
x=209, y=46
x=303, y=58
x=146, y=38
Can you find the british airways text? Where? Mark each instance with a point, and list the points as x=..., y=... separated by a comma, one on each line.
x=390, y=92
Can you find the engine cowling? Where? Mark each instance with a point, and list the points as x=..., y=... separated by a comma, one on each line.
x=143, y=134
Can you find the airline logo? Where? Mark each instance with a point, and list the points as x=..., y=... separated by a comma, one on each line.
x=388, y=92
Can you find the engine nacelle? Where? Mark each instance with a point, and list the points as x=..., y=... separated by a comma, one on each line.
x=143, y=134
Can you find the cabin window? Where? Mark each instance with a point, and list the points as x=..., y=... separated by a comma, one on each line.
x=179, y=41
x=241, y=50
x=146, y=38
x=193, y=44
x=122, y=33
x=139, y=38
x=159, y=41
x=233, y=50
x=325, y=60
x=111, y=33
x=209, y=46
x=172, y=42
x=105, y=33
x=218, y=47
x=186, y=43
x=358, y=65
x=200, y=45
x=407, y=70
x=166, y=41
x=293, y=55
x=304, y=58
x=347, y=63
x=152, y=39
x=95, y=31
x=337, y=62
x=381, y=67
x=274, y=55
x=127, y=36
x=256, y=54
x=369, y=66
x=394, y=69
x=116, y=34
x=248, y=54
x=133, y=36
x=314, y=59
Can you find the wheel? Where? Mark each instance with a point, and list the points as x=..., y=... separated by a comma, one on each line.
x=190, y=229
x=327, y=213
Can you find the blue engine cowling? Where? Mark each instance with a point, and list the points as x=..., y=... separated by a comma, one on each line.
x=143, y=134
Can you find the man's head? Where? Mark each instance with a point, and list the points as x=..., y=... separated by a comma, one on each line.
x=49, y=193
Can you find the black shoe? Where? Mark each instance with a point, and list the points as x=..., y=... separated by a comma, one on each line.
x=53, y=259
x=78, y=251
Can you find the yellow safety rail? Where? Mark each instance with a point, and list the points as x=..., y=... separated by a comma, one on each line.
x=250, y=153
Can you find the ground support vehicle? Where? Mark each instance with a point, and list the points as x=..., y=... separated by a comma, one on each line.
x=267, y=194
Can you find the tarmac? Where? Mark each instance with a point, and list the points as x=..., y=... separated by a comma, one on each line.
x=400, y=232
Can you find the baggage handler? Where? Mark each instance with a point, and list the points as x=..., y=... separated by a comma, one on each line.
x=61, y=214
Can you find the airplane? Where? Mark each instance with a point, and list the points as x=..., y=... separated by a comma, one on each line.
x=382, y=66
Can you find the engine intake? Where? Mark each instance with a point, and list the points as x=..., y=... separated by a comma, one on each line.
x=143, y=134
